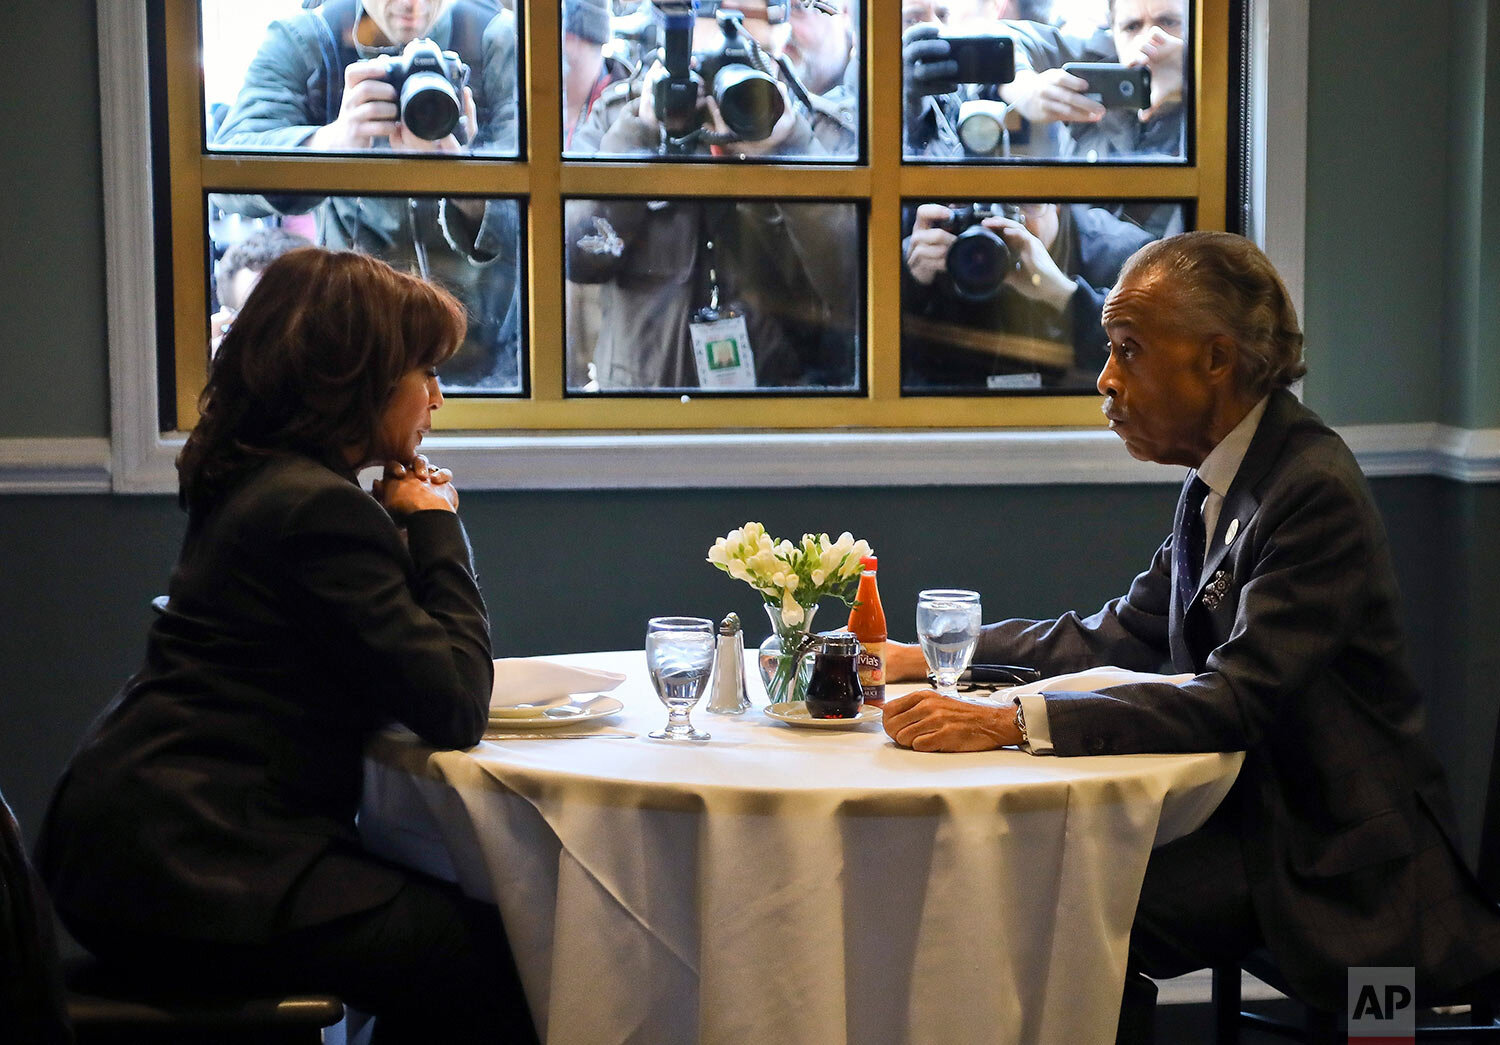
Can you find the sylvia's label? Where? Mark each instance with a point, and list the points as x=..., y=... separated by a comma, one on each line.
x=871, y=664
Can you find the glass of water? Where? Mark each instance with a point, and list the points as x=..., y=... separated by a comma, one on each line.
x=948, y=628
x=680, y=657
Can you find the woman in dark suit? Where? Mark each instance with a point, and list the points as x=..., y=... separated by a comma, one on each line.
x=205, y=827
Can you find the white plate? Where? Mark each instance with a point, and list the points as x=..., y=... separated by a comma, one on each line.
x=794, y=713
x=580, y=708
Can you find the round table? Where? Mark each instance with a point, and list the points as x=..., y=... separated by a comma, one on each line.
x=793, y=885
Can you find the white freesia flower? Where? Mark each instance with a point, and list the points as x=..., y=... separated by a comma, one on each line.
x=792, y=613
x=790, y=576
x=852, y=565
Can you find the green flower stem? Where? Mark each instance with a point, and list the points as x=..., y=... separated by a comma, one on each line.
x=786, y=683
x=781, y=682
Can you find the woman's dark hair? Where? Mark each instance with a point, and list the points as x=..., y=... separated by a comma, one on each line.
x=309, y=364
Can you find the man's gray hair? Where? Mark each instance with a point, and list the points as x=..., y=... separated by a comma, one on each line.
x=1222, y=284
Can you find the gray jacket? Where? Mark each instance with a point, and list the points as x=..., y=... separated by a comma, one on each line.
x=1120, y=134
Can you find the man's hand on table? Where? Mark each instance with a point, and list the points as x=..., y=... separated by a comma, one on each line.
x=926, y=721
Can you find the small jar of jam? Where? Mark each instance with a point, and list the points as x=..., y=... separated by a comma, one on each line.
x=834, y=690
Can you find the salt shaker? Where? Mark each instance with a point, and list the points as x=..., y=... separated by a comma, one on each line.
x=728, y=695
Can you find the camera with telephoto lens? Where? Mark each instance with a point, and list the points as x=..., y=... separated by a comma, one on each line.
x=978, y=258
x=429, y=84
x=737, y=74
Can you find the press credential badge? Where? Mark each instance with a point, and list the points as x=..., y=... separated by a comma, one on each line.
x=722, y=353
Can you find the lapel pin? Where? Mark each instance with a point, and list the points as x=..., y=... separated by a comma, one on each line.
x=1216, y=589
x=1234, y=528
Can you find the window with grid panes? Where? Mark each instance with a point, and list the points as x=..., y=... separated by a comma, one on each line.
x=729, y=214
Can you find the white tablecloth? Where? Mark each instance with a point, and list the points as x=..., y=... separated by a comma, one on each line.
x=781, y=885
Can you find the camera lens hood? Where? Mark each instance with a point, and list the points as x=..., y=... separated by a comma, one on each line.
x=429, y=105
x=749, y=100
x=978, y=261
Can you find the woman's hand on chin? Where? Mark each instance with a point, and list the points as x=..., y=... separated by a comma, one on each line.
x=414, y=487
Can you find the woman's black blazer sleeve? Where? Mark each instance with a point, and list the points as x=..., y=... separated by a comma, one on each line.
x=406, y=626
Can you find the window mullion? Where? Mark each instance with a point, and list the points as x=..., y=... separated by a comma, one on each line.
x=1211, y=109
x=188, y=218
x=362, y=175
x=883, y=258
x=542, y=243
x=1093, y=181
x=662, y=180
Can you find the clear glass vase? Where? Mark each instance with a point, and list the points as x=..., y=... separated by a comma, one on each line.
x=785, y=679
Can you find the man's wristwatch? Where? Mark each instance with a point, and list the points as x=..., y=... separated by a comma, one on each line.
x=1021, y=723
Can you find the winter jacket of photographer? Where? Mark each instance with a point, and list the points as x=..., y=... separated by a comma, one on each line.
x=1120, y=134
x=294, y=86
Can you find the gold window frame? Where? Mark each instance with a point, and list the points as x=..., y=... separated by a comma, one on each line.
x=542, y=180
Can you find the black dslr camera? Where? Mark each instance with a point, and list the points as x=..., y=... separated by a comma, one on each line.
x=739, y=74
x=746, y=91
x=429, y=84
x=978, y=258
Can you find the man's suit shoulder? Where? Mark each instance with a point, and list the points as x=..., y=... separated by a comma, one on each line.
x=1305, y=464
x=1310, y=444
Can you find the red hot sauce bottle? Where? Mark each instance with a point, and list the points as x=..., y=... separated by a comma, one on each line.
x=867, y=621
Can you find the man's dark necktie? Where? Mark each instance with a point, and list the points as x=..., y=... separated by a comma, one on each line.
x=1188, y=553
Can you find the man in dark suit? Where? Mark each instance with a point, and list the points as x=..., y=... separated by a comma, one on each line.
x=1336, y=846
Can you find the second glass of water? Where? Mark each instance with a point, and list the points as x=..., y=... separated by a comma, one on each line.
x=680, y=657
x=948, y=628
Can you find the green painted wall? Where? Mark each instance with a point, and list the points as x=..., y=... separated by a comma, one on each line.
x=1376, y=198
x=54, y=373
x=1471, y=345
x=1481, y=407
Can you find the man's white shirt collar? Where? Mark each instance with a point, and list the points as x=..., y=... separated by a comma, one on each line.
x=1221, y=466
x=1223, y=462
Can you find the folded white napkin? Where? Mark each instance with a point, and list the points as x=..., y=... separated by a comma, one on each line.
x=1091, y=679
x=525, y=680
